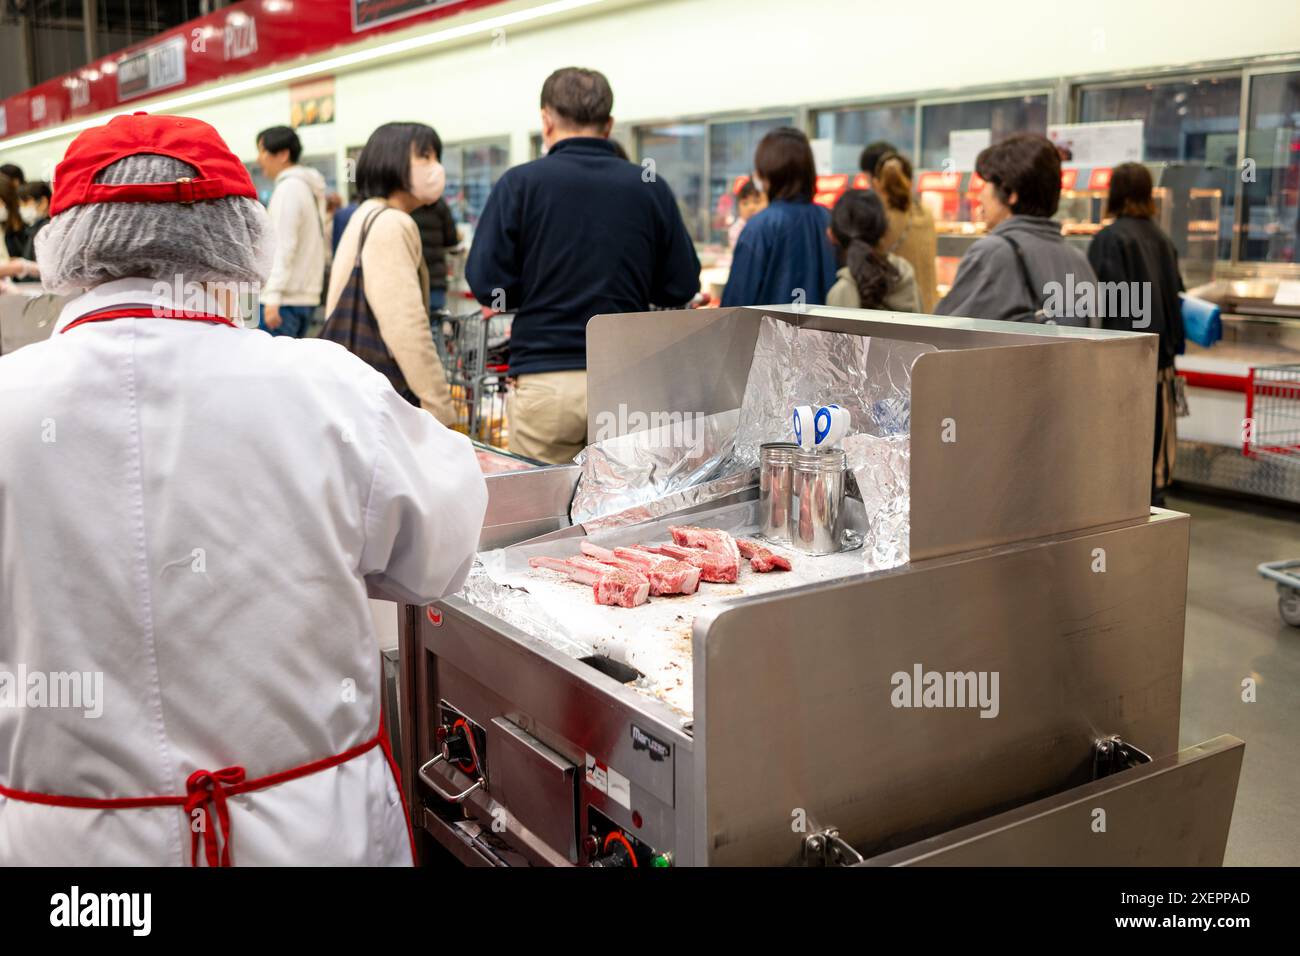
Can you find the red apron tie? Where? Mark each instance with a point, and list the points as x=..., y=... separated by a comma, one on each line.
x=204, y=787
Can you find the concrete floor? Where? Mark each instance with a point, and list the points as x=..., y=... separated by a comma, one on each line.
x=1234, y=632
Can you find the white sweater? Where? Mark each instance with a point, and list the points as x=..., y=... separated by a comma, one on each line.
x=297, y=212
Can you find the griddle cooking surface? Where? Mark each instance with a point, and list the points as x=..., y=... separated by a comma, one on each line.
x=655, y=638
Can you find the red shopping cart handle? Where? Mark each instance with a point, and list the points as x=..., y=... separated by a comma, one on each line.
x=1217, y=381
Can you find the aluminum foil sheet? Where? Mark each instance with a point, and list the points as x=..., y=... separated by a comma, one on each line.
x=635, y=470
x=870, y=377
x=516, y=607
x=664, y=470
x=881, y=467
x=677, y=503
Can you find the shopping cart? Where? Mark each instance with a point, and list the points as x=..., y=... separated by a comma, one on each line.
x=475, y=354
x=1273, y=435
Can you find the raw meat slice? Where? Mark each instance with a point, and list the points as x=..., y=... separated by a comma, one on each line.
x=575, y=571
x=589, y=564
x=624, y=557
x=666, y=575
x=642, y=557
x=607, y=557
x=710, y=539
x=674, y=577
x=597, y=552
x=610, y=585
x=715, y=568
x=621, y=588
x=760, y=558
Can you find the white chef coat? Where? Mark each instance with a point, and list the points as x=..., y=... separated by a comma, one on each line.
x=197, y=513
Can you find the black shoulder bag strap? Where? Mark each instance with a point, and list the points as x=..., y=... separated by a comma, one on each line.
x=365, y=230
x=1035, y=299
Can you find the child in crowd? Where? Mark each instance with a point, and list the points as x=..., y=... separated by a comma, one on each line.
x=869, y=278
x=750, y=201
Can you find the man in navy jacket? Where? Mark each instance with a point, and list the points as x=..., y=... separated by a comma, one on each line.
x=577, y=233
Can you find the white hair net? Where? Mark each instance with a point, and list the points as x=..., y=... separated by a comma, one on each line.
x=217, y=240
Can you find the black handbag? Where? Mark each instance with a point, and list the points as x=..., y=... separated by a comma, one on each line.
x=352, y=325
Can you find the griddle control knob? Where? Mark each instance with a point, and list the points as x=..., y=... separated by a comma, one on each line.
x=454, y=744
x=617, y=852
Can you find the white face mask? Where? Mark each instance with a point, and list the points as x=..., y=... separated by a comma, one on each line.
x=428, y=179
x=28, y=213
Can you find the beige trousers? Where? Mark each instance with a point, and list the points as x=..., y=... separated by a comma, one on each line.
x=547, y=413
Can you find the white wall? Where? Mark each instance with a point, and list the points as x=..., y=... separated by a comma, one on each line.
x=692, y=57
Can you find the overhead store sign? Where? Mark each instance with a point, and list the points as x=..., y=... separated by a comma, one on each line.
x=248, y=36
x=311, y=103
x=371, y=13
x=240, y=37
x=154, y=68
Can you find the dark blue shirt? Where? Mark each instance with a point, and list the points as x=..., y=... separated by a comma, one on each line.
x=341, y=217
x=782, y=252
x=577, y=233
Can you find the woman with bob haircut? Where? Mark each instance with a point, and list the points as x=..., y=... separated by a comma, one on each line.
x=1012, y=272
x=783, y=255
x=398, y=171
x=1133, y=249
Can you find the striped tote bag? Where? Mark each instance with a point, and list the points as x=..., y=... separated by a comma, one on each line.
x=353, y=326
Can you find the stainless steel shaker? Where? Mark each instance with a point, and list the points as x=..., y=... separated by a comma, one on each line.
x=774, y=489
x=817, y=500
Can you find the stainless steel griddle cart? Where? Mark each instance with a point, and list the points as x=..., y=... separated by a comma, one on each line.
x=1034, y=554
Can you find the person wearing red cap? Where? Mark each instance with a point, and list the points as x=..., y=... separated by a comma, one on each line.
x=188, y=668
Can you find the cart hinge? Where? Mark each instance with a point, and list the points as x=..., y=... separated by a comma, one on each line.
x=827, y=848
x=1111, y=755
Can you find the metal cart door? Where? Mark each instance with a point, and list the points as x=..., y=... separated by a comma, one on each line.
x=1173, y=811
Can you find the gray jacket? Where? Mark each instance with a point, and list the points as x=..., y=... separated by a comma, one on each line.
x=990, y=284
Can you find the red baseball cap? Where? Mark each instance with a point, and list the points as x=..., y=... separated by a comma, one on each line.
x=220, y=173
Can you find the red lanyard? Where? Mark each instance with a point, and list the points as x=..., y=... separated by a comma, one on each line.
x=145, y=312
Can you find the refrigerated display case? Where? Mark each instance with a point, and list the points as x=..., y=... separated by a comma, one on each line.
x=952, y=198
x=1082, y=209
x=1187, y=208
x=1189, y=120
x=1189, y=200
